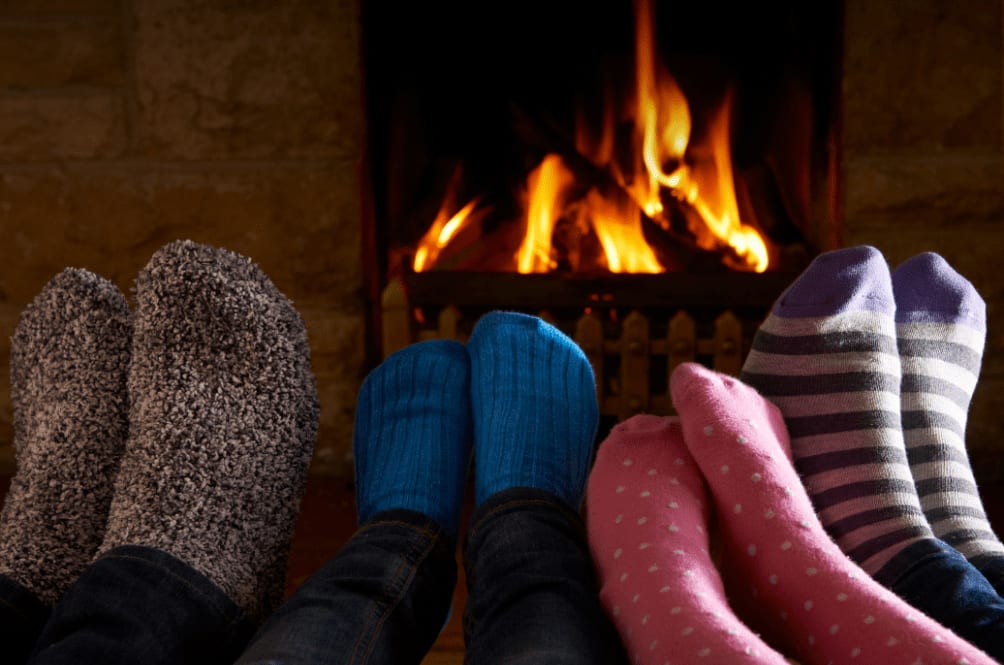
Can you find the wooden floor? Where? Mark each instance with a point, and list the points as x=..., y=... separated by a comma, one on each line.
x=327, y=519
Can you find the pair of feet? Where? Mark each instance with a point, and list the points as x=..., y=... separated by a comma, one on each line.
x=520, y=397
x=186, y=425
x=849, y=357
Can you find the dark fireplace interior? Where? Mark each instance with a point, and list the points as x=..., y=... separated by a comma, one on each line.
x=473, y=96
x=467, y=101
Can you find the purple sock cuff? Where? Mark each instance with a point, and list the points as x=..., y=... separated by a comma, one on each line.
x=929, y=290
x=844, y=280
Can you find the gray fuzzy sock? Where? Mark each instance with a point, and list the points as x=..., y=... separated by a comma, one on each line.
x=223, y=421
x=69, y=359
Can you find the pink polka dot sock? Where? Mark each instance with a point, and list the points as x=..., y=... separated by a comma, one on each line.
x=647, y=517
x=788, y=577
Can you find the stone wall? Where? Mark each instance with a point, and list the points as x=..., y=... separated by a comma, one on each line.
x=923, y=158
x=127, y=124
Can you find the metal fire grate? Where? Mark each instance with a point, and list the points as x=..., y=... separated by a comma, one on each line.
x=633, y=328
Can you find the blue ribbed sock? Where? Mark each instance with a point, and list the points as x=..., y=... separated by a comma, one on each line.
x=413, y=433
x=533, y=397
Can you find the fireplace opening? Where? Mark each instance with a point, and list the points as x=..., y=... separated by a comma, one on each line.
x=635, y=158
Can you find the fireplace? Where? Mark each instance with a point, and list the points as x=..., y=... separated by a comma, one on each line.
x=648, y=177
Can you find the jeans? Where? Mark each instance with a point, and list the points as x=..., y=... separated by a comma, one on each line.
x=383, y=598
x=942, y=584
x=141, y=605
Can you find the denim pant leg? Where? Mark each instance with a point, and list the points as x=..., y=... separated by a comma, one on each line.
x=942, y=584
x=383, y=598
x=142, y=605
x=22, y=617
x=533, y=596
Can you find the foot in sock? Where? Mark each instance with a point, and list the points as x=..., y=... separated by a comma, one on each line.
x=940, y=330
x=223, y=418
x=412, y=437
x=796, y=586
x=533, y=397
x=647, y=523
x=69, y=360
x=826, y=356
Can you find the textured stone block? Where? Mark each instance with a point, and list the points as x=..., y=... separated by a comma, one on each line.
x=920, y=74
x=250, y=80
x=63, y=8
x=50, y=54
x=36, y=128
x=924, y=189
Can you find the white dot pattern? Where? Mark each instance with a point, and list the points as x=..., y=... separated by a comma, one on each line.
x=656, y=570
x=843, y=613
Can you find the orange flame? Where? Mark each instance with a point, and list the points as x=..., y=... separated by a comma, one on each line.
x=664, y=119
x=439, y=235
x=547, y=183
x=665, y=163
x=620, y=234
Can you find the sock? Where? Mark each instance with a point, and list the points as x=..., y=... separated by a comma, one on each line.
x=647, y=520
x=791, y=579
x=223, y=419
x=533, y=397
x=69, y=359
x=941, y=328
x=412, y=437
x=826, y=356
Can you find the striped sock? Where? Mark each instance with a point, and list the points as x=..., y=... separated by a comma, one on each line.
x=940, y=328
x=826, y=356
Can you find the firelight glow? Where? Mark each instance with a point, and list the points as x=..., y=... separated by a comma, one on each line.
x=547, y=182
x=665, y=165
x=439, y=235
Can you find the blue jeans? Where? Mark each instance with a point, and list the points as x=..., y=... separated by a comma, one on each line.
x=942, y=584
x=386, y=595
x=137, y=605
x=383, y=598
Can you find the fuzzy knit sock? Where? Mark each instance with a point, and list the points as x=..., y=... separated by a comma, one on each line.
x=940, y=329
x=647, y=520
x=791, y=581
x=69, y=359
x=826, y=356
x=223, y=419
x=533, y=397
x=412, y=438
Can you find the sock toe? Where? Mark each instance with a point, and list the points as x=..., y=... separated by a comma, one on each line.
x=856, y=278
x=929, y=290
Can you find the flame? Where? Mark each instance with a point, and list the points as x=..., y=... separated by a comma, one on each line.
x=546, y=184
x=621, y=236
x=439, y=235
x=664, y=164
x=663, y=115
x=664, y=121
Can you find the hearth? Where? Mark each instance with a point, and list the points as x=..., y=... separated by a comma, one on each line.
x=648, y=177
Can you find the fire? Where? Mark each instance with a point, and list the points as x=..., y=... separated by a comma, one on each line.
x=547, y=183
x=666, y=166
x=439, y=235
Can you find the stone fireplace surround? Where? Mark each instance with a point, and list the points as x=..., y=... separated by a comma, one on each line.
x=127, y=123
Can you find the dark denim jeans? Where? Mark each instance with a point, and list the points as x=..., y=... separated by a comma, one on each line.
x=382, y=599
x=140, y=605
x=385, y=597
x=942, y=584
